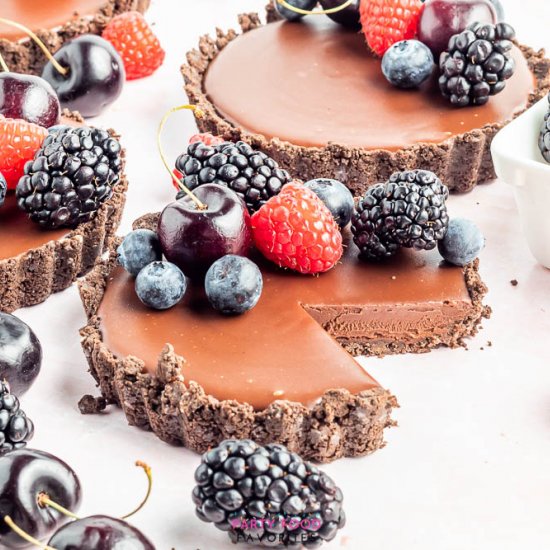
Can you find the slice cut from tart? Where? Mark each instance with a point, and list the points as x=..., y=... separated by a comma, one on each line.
x=55, y=22
x=283, y=371
x=36, y=262
x=313, y=97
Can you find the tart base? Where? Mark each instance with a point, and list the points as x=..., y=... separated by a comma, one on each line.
x=24, y=56
x=29, y=278
x=461, y=161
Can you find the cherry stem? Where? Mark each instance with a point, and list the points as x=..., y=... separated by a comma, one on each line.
x=148, y=473
x=198, y=113
x=25, y=536
x=3, y=65
x=62, y=70
x=44, y=500
x=336, y=9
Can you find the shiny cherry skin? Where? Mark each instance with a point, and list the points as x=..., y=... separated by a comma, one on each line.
x=99, y=533
x=348, y=17
x=30, y=98
x=194, y=239
x=24, y=475
x=96, y=75
x=20, y=354
x=440, y=19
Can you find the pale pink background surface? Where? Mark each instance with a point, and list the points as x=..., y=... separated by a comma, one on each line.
x=468, y=466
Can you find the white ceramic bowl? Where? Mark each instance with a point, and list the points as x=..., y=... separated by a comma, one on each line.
x=519, y=162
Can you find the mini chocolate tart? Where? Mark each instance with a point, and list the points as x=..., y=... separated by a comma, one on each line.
x=313, y=97
x=36, y=262
x=55, y=22
x=283, y=371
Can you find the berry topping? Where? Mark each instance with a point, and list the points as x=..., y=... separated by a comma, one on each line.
x=138, y=249
x=386, y=22
x=15, y=428
x=337, y=198
x=267, y=496
x=233, y=284
x=19, y=141
x=136, y=43
x=253, y=175
x=29, y=98
x=3, y=188
x=292, y=15
x=462, y=243
x=407, y=64
x=544, y=137
x=160, y=285
x=71, y=176
x=408, y=210
x=94, y=74
x=296, y=230
x=20, y=354
x=477, y=64
x=206, y=139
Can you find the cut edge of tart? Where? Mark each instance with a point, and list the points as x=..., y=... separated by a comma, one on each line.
x=337, y=423
x=24, y=56
x=334, y=160
x=31, y=277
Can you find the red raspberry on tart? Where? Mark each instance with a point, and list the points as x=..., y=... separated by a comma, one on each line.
x=207, y=139
x=296, y=230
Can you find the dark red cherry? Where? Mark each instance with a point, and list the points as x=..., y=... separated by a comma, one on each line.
x=25, y=474
x=348, y=17
x=440, y=19
x=99, y=533
x=28, y=97
x=95, y=78
x=20, y=354
x=194, y=239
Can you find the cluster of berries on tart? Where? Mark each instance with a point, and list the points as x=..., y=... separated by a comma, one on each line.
x=466, y=42
x=544, y=136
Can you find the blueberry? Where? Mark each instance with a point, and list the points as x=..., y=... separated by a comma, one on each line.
x=138, y=249
x=160, y=285
x=3, y=188
x=462, y=243
x=407, y=64
x=292, y=15
x=337, y=198
x=233, y=284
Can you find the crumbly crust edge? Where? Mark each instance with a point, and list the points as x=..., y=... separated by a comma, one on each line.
x=24, y=56
x=31, y=277
x=462, y=161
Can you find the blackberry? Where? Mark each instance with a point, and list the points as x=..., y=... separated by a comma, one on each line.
x=267, y=496
x=407, y=211
x=3, y=189
x=544, y=137
x=71, y=176
x=253, y=175
x=477, y=64
x=15, y=428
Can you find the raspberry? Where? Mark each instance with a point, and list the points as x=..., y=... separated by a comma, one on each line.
x=295, y=229
x=136, y=43
x=386, y=22
x=207, y=139
x=19, y=141
x=178, y=175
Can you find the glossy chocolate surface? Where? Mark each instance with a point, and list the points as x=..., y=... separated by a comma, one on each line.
x=275, y=350
x=44, y=14
x=315, y=82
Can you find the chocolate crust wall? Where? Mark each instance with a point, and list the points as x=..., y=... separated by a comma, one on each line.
x=31, y=277
x=24, y=56
x=461, y=161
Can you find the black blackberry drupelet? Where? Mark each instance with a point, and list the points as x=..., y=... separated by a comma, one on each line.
x=3, y=189
x=477, y=64
x=71, y=176
x=16, y=429
x=253, y=175
x=267, y=496
x=544, y=137
x=407, y=211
